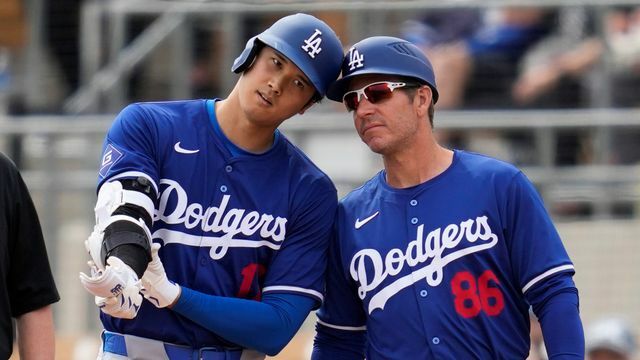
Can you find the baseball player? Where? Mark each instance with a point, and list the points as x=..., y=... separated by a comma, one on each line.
x=440, y=255
x=210, y=213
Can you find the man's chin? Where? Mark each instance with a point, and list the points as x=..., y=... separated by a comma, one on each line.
x=376, y=147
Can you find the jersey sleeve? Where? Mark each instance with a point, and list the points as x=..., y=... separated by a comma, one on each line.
x=130, y=147
x=300, y=264
x=30, y=281
x=556, y=304
x=341, y=309
x=266, y=326
x=333, y=344
x=536, y=249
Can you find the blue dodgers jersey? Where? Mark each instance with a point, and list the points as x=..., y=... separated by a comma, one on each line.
x=442, y=270
x=235, y=226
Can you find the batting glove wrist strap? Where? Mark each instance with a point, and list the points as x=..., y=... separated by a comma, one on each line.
x=157, y=288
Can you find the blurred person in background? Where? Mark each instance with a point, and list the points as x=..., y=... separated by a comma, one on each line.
x=477, y=58
x=622, y=36
x=27, y=288
x=623, y=40
x=440, y=27
x=552, y=74
x=549, y=70
x=610, y=338
x=13, y=38
x=556, y=73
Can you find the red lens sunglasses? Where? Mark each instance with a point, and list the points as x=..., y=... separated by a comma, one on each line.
x=374, y=93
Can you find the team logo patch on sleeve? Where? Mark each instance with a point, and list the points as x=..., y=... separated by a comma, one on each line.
x=110, y=156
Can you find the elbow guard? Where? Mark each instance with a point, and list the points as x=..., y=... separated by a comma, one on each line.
x=124, y=215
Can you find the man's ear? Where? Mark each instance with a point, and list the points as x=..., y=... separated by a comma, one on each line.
x=422, y=100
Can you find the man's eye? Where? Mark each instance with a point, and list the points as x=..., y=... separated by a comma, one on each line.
x=299, y=84
x=276, y=62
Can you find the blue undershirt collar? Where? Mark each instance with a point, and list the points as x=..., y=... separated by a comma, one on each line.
x=234, y=149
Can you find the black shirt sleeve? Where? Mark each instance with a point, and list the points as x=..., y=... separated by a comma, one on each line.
x=28, y=280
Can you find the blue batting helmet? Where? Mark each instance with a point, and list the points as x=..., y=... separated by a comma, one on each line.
x=305, y=40
x=384, y=55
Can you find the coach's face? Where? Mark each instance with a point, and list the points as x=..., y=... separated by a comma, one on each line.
x=393, y=123
x=273, y=89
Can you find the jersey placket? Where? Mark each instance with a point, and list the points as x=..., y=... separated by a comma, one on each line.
x=218, y=188
x=416, y=217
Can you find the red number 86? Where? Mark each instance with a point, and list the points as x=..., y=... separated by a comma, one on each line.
x=473, y=296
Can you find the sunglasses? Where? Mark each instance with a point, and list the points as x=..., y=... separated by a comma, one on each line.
x=374, y=93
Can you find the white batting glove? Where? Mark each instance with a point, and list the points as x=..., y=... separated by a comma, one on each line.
x=111, y=281
x=157, y=288
x=124, y=306
x=116, y=288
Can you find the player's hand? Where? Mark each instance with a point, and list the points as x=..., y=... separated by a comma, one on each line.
x=157, y=288
x=125, y=305
x=112, y=281
x=116, y=288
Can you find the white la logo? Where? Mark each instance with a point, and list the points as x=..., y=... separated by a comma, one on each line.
x=355, y=59
x=312, y=44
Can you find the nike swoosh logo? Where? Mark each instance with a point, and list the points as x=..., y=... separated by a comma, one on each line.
x=182, y=150
x=360, y=223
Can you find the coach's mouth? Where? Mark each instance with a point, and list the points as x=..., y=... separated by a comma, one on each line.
x=370, y=126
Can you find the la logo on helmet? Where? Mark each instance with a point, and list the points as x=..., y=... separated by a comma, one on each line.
x=312, y=44
x=355, y=59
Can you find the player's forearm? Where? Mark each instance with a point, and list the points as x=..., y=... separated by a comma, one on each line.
x=561, y=326
x=36, y=340
x=124, y=213
x=266, y=326
x=120, y=245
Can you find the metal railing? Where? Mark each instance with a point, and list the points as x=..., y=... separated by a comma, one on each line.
x=599, y=182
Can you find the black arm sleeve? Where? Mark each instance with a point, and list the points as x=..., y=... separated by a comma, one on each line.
x=125, y=240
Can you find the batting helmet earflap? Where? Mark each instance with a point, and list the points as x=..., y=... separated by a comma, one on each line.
x=384, y=55
x=305, y=40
